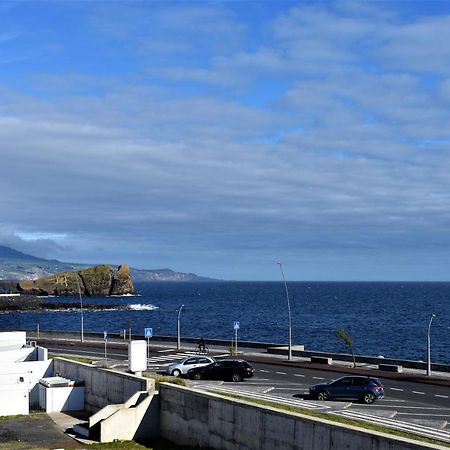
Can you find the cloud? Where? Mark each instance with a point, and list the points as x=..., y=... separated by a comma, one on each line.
x=324, y=139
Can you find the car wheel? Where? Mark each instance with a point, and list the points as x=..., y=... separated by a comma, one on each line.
x=236, y=377
x=176, y=372
x=323, y=395
x=197, y=376
x=368, y=398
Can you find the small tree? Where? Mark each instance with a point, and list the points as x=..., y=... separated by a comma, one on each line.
x=347, y=340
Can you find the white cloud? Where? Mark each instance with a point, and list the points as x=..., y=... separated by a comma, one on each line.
x=324, y=138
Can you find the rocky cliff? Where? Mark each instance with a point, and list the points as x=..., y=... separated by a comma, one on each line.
x=95, y=281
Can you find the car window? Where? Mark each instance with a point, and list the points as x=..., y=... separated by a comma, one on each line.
x=203, y=361
x=343, y=382
x=190, y=361
x=230, y=364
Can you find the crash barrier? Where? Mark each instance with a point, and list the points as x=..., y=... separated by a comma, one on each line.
x=390, y=368
x=194, y=418
x=321, y=360
x=361, y=359
x=102, y=386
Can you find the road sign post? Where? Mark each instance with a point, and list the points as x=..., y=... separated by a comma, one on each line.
x=148, y=333
x=105, y=338
x=236, y=326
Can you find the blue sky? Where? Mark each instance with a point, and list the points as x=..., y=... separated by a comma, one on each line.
x=220, y=137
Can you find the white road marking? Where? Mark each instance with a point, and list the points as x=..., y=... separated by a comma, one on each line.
x=267, y=390
x=281, y=373
x=265, y=371
x=291, y=389
x=396, y=389
x=418, y=392
x=393, y=423
x=419, y=414
x=441, y=396
x=318, y=378
x=166, y=350
x=298, y=375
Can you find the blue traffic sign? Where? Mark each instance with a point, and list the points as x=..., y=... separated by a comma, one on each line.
x=148, y=332
x=236, y=325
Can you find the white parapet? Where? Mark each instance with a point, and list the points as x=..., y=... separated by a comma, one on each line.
x=10, y=340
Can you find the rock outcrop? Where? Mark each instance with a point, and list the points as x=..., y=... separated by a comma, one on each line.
x=96, y=281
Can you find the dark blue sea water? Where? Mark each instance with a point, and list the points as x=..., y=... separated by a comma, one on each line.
x=389, y=319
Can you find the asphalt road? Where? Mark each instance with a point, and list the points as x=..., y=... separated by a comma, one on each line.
x=410, y=406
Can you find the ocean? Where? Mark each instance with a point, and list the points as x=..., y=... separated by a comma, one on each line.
x=384, y=318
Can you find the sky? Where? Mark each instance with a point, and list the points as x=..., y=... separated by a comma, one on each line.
x=220, y=137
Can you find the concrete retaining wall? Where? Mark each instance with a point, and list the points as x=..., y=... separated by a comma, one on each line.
x=103, y=386
x=207, y=420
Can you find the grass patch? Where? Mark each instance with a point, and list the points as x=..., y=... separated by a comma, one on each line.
x=73, y=358
x=153, y=444
x=119, y=445
x=333, y=418
x=165, y=379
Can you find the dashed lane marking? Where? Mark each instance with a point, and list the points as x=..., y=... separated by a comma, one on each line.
x=299, y=375
x=441, y=396
x=281, y=373
x=318, y=378
x=396, y=389
x=265, y=371
x=418, y=392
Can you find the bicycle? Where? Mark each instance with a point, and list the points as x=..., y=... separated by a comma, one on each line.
x=201, y=350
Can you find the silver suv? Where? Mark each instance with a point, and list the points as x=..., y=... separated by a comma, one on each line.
x=181, y=367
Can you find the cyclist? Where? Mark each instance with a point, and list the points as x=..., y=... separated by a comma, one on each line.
x=201, y=345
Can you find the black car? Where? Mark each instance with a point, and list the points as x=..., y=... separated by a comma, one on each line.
x=228, y=369
x=365, y=389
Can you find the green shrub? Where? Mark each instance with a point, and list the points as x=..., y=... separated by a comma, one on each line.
x=164, y=379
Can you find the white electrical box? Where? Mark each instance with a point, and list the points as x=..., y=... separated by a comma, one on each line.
x=137, y=356
x=61, y=394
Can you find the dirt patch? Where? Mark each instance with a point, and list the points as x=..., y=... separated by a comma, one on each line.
x=36, y=431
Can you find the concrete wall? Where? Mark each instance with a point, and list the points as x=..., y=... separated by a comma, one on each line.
x=103, y=386
x=207, y=420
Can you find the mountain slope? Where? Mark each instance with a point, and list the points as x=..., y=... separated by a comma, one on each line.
x=15, y=265
x=10, y=253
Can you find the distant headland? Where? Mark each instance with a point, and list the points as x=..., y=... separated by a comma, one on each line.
x=100, y=280
x=15, y=265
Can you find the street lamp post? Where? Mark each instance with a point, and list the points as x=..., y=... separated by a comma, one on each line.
x=178, y=328
x=429, y=346
x=81, y=310
x=289, y=313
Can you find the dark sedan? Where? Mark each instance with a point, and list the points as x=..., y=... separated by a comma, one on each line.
x=228, y=369
x=364, y=389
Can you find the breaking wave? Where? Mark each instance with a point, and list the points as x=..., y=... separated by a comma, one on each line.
x=139, y=307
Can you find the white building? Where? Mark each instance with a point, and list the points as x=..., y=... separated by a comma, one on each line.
x=21, y=367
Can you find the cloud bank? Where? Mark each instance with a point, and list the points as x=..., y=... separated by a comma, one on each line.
x=223, y=137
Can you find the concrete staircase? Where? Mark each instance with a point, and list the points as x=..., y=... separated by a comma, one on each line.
x=118, y=422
